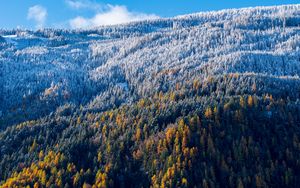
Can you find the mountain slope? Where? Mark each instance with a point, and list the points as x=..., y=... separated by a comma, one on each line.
x=202, y=100
x=109, y=66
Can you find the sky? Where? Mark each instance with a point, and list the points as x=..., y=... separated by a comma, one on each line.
x=34, y=14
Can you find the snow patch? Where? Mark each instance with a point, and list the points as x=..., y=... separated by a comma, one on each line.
x=10, y=36
x=37, y=50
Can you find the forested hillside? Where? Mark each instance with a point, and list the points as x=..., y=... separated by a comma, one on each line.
x=203, y=100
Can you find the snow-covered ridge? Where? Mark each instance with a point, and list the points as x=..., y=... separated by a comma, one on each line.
x=275, y=12
x=267, y=10
x=107, y=66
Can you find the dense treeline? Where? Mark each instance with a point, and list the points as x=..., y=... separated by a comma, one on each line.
x=204, y=100
x=179, y=138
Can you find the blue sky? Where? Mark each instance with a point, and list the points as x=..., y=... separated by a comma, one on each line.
x=35, y=14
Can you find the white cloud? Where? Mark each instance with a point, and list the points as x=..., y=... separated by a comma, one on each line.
x=79, y=22
x=82, y=4
x=38, y=14
x=110, y=15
